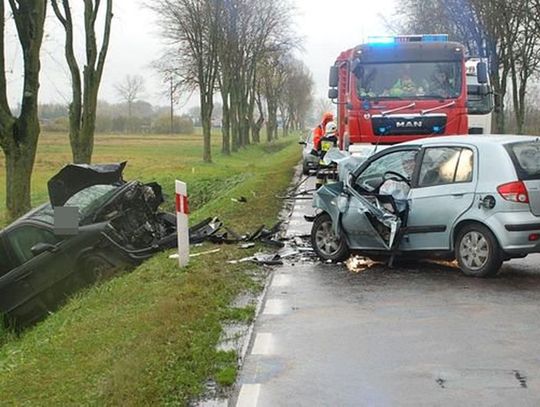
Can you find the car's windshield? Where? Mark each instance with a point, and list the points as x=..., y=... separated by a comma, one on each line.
x=87, y=200
x=415, y=80
x=91, y=198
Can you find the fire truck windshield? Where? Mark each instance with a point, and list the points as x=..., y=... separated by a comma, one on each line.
x=414, y=80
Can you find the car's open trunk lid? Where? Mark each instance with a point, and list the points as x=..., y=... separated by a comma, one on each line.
x=526, y=158
x=76, y=177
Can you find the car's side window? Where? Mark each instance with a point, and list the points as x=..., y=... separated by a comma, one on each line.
x=445, y=165
x=23, y=238
x=400, y=162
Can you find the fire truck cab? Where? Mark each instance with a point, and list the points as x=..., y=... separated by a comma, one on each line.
x=395, y=89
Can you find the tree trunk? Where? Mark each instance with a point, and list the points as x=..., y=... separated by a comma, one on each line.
x=19, y=165
x=19, y=136
x=206, y=121
x=82, y=142
x=235, y=127
x=225, y=125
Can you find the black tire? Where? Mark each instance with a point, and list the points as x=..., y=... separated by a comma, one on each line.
x=305, y=169
x=477, y=251
x=94, y=269
x=326, y=244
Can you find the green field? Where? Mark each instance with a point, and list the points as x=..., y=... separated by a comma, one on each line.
x=150, y=158
x=148, y=337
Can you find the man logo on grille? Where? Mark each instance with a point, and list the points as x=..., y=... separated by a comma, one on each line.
x=409, y=124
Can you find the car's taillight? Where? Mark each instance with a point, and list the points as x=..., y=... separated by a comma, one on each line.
x=514, y=191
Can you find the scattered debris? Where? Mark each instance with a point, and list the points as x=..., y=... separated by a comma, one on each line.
x=358, y=264
x=247, y=245
x=210, y=229
x=241, y=199
x=204, y=253
x=175, y=255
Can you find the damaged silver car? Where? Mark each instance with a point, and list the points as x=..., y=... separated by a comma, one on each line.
x=475, y=199
x=117, y=223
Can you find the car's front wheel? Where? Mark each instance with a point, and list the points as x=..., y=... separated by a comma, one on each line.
x=477, y=251
x=94, y=269
x=325, y=242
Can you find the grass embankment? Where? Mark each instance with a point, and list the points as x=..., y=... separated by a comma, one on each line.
x=149, y=337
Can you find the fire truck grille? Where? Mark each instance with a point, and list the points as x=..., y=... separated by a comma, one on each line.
x=394, y=125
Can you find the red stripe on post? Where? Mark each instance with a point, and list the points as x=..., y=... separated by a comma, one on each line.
x=178, y=199
x=182, y=205
x=185, y=204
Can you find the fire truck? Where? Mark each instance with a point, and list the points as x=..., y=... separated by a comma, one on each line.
x=399, y=88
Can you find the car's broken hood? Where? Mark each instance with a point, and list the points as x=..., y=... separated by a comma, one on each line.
x=76, y=177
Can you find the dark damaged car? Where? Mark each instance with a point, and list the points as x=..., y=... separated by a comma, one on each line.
x=117, y=223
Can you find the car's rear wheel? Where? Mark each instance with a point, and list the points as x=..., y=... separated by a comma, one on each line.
x=305, y=169
x=477, y=251
x=325, y=242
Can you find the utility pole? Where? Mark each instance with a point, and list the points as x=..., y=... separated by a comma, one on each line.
x=172, y=103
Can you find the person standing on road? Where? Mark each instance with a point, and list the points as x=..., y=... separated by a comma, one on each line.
x=320, y=130
x=325, y=143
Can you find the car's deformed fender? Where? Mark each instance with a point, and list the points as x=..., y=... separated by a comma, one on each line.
x=331, y=199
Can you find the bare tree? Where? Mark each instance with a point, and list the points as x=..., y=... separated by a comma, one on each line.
x=192, y=28
x=130, y=89
x=250, y=30
x=297, y=96
x=19, y=135
x=82, y=112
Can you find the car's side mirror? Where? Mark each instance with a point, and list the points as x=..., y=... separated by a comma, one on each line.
x=333, y=93
x=302, y=143
x=39, y=248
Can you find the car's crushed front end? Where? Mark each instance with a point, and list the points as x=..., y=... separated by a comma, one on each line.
x=133, y=222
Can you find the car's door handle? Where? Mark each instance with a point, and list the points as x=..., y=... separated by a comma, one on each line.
x=459, y=195
x=22, y=276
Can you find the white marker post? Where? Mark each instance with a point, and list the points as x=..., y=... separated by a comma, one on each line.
x=182, y=229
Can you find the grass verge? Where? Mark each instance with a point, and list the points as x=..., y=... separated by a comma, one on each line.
x=149, y=337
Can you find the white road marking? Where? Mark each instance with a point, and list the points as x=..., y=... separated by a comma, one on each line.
x=281, y=280
x=249, y=395
x=274, y=307
x=263, y=345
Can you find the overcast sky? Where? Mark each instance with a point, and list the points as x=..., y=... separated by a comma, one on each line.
x=327, y=28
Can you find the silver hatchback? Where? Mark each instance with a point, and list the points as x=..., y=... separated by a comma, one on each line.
x=475, y=199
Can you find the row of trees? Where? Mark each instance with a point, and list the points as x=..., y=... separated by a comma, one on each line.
x=507, y=32
x=242, y=49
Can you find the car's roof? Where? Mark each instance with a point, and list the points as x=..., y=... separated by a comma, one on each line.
x=485, y=139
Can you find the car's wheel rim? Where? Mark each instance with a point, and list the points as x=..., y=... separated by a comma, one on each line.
x=326, y=240
x=474, y=250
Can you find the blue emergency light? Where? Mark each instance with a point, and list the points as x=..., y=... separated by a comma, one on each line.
x=400, y=39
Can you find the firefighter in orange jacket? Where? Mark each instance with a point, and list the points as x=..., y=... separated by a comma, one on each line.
x=320, y=130
x=326, y=143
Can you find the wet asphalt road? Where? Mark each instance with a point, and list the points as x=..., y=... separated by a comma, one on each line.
x=416, y=335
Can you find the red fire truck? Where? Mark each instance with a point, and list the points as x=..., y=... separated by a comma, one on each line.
x=395, y=89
